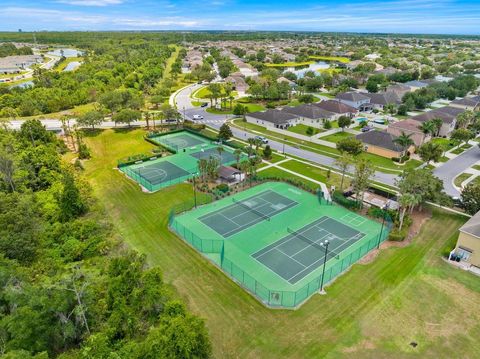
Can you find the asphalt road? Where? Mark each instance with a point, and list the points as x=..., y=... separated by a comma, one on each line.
x=450, y=169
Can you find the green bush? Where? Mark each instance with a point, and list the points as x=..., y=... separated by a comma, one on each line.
x=223, y=187
x=339, y=198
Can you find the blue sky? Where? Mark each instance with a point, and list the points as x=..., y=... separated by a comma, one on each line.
x=404, y=16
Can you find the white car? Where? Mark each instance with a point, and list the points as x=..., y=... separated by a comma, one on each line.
x=262, y=139
x=197, y=117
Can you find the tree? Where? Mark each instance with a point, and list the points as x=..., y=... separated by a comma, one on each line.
x=267, y=152
x=225, y=133
x=438, y=125
x=127, y=116
x=71, y=203
x=405, y=141
x=406, y=201
x=344, y=121
x=430, y=152
x=423, y=184
x=220, y=150
x=239, y=110
x=462, y=135
x=364, y=171
x=350, y=145
x=471, y=198
x=90, y=119
x=427, y=128
x=465, y=118
x=238, y=155
x=343, y=163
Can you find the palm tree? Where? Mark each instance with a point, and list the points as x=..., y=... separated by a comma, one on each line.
x=220, y=150
x=407, y=200
x=428, y=128
x=464, y=119
x=147, y=119
x=238, y=154
x=405, y=142
x=438, y=125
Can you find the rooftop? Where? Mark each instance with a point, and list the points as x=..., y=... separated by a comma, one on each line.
x=380, y=139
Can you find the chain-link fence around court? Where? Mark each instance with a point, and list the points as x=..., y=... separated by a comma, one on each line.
x=261, y=289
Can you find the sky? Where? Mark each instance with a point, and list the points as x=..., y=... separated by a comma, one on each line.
x=399, y=16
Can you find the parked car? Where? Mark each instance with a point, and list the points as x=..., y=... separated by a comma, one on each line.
x=204, y=104
x=197, y=117
x=261, y=138
x=366, y=128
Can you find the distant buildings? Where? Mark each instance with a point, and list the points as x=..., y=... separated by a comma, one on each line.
x=17, y=64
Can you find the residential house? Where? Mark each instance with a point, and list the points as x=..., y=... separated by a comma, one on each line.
x=311, y=115
x=338, y=108
x=399, y=90
x=467, y=103
x=468, y=242
x=284, y=79
x=416, y=85
x=381, y=143
x=355, y=99
x=239, y=84
x=381, y=99
x=409, y=127
x=273, y=118
x=447, y=114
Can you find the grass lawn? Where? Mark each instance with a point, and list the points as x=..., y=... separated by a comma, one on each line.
x=445, y=143
x=382, y=163
x=331, y=58
x=444, y=159
x=302, y=129
x=76, y=111
x=204, y=92
x=460, y=178
x=373, y=311
x=476, y=167
x=315, y=173
x=335, y=137
x=458, y=151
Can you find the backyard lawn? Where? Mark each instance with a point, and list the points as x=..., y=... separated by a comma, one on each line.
x=375, y=310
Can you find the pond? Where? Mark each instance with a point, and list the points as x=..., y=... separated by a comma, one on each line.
x=66, y=53
x=72, y=66
x=300, y=71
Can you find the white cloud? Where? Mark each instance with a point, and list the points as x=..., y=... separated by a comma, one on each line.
x=91, y=2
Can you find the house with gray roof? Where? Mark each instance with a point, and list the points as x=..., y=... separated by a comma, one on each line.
x=447, y=114
x=355, y=99
x=381, y=99
x=310, y=114
x=273, y=118
x=337, y=107
x=467, y=103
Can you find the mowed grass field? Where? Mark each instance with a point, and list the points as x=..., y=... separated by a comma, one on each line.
x=373, y=311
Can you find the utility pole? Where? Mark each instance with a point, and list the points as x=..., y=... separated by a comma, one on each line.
x=324, y=244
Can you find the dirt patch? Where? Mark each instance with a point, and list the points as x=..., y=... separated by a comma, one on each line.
x=418, y=220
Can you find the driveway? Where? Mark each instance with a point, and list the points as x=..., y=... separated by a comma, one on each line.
x=450, y=169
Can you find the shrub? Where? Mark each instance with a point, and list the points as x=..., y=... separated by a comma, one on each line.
x=223, y=187
x=327, y=125
x=83, y=152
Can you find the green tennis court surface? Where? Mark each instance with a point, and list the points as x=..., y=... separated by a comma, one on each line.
x=269, y=239
x=179, y=140
x=157, y=173
x=301, y=252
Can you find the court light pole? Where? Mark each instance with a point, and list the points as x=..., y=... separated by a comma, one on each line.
x=195, y=190
x=325, y=244
x=385, y=208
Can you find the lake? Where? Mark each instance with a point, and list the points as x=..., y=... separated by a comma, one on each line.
x=300, y=72
x=66, y=52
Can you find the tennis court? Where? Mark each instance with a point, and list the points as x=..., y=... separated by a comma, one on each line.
x=271, y=240
x=303, y=250
x=157, y=173
x=246, y=213
x=180, y=140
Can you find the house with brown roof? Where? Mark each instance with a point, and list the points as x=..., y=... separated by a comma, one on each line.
x=381, y=99
x=337, y=107
x=409, y=127
x=239, y=84
x=468, y=243
x=447, y=114
x=381, y=143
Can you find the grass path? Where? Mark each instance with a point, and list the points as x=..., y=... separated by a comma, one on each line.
x=373, y=311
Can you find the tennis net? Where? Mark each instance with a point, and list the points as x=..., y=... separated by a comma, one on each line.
x=258, y=213
x=311, y=242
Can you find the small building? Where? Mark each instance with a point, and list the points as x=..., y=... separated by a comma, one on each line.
x=284, y=79
x=355, y=99
x=447, y=114
x=382, y=99
x=381, y=143
x=230, y=175
x=399, y=90
x=239, y=84
x=338, y=108
x=416, y=85
x=468, y=243
x=273, y=118
x=409, y=127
